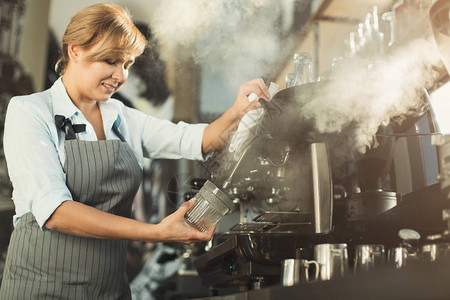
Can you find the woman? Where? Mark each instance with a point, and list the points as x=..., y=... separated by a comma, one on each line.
x=75, y=159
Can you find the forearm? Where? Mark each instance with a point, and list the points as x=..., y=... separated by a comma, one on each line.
x=78, y=219
x=218, y=133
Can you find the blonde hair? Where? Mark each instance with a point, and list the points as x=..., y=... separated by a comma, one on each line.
x=107, y=24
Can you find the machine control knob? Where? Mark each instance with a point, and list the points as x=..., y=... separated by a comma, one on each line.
x=230, y=265
x=188, y=196
x=197, y=183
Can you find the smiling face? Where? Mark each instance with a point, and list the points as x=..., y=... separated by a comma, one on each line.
x=98, y=47
x=97, y=79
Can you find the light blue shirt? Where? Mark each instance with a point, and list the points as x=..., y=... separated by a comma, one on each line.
x=34, y=147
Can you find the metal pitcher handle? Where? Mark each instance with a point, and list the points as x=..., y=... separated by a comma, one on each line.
x=316, y=273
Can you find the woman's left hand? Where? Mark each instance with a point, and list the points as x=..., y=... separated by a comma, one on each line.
x=242, y=104
x=217, y=134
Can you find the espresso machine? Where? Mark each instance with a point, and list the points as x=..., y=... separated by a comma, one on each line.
x=282, y=187
x=286, y=200
x=288, y=197
x=294, y=197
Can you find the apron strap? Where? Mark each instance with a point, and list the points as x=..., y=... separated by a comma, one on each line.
x=117, y=132
x=69, y=129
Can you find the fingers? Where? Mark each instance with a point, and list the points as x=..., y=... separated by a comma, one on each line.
x=198, y=235
x=254, y=105
x=179, y=230
x=256, y=86
x=210, y=232
x=186, y=206
x=263, y=87
x=202, y=236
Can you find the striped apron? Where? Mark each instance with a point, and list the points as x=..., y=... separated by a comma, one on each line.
x=52, y=265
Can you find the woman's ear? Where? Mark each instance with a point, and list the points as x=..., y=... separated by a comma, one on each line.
x=74, y=52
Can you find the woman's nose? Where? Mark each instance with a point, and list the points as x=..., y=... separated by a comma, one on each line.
x=120, y=73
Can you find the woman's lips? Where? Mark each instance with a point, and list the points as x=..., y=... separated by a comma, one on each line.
x=111, y=88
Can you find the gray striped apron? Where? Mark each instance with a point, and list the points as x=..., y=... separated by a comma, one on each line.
x=53, y=265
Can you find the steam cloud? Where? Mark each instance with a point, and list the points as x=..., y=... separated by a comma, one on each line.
x=240, y=34
x=182, y=22
x=363, y=94
x=369, y=93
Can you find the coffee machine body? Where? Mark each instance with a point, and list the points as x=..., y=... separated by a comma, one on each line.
x=283, y=186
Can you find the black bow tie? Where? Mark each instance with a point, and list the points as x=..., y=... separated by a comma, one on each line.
x=69, y=129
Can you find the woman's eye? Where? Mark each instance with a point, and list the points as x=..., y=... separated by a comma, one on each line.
x=110, y=62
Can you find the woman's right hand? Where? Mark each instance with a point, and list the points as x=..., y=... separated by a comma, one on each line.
x=79, y=219
x=174, y=228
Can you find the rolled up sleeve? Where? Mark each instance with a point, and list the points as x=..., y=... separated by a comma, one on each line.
x=36, y=173
x=164, y=139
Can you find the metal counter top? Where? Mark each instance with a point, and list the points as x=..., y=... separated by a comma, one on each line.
x=422, y=281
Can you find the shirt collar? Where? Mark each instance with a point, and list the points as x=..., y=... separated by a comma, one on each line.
x=63, y=105
x=110, y=114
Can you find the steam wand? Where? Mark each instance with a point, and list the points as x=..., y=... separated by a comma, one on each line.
x=227, y=182
x=285, y=159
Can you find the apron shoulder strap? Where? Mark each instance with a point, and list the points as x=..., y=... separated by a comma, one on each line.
x=117, y=132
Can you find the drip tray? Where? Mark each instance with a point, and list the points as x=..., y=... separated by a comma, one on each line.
x=275, y=222
x=267, y=227
x=260, y=226
x=293, y=217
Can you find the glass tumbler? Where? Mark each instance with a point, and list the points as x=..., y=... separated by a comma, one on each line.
x=211, y=204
